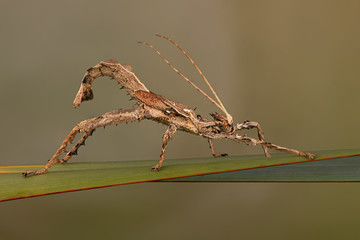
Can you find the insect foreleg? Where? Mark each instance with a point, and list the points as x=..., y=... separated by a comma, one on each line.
x=288, y=150
x=254, y=142
x=166, y=137
x=87, y=127
x=248, y=125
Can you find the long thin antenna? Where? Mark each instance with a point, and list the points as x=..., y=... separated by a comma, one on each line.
x=182, y=75
x=228, y=116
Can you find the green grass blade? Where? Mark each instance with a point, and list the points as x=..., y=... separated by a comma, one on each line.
x=342, y=169
x=79, y=176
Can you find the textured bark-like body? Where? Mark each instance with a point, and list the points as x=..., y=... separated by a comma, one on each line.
x=157, y=108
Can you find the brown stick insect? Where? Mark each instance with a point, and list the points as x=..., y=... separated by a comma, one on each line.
x=160, y=109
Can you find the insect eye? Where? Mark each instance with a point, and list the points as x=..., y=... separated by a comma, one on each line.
x=224, y=123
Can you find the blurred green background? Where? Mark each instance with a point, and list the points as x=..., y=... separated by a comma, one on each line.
x=291, y=65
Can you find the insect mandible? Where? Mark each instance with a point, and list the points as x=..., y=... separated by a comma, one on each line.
x=155, y=107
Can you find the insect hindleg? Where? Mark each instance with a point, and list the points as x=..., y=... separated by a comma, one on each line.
x=248, y=125
x=87, y=127
x=166, y=137
x=75, y=148
x=213, y=150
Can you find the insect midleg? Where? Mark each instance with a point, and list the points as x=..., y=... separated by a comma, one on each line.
x=166, y=137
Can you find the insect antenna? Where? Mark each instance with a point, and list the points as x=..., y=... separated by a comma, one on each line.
x=228, y=116
x=182, y=75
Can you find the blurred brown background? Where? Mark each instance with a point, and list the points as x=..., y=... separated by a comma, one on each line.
x=291, y=65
